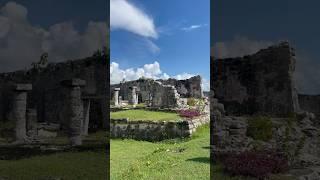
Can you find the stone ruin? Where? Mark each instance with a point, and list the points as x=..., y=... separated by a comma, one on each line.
x=68, y=97
x=262, y=84
x=169, y=93
x=259, y=83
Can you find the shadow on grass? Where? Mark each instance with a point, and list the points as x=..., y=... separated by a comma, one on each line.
x=200, y=159
x=20, y=152
x=206, y=147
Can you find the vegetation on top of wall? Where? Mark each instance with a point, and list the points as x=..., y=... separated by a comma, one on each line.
x=191, y=101
x=145, y=115
x=260, y=128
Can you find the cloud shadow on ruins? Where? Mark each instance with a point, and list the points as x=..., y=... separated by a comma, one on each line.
x=19, y=152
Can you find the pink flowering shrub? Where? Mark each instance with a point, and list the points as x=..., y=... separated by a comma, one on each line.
x=189, y=113
x=255, y=164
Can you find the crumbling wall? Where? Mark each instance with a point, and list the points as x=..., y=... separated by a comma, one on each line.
x=310, y=103
x=150, y=92
x=155, y=131
x=48, y=96
x=188, y=87
x=185, y=88
x=257, y=84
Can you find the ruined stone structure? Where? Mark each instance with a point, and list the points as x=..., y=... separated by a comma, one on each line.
x=186, y=88
x=262, y=84
x=148, y=91
x=257, y=84
x=157, y=93
x=72, y=94
x=155, y=131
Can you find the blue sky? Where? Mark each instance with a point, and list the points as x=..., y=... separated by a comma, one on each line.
x=243, y=27
x=176, y=36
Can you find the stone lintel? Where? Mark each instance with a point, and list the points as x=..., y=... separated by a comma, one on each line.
x=73, y=82
x=22, y=87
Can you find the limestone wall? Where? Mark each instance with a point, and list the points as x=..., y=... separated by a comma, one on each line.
x=310, y=103
x=257, y=84
x=155, y=131
x=162, y=95
x=185, y=88
x=188, y=87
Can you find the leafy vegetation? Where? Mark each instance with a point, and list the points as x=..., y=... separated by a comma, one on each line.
x=260, y=128
x=191, y=101
x=145, y=115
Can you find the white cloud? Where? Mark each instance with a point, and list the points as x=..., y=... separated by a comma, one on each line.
x=149, y=71
x=22, y=43
x=126, y=16
x=239, y=46
x=152, y=46
x=205, y=85
x=193, y=27
x=14, y=11
x=183, y=76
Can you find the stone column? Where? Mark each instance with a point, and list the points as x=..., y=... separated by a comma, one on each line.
x=19, y=108
x=116, y=96
x=133, y=96
x=120, y=100
x=86, y=116
x=137, y=98
x=74, y=109
x=32, y=122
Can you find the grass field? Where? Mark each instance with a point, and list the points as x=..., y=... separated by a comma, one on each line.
x=89, y=163
x=140, y=114
x=175, y=159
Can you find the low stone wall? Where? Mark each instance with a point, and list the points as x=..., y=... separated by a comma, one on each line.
x=155, y=131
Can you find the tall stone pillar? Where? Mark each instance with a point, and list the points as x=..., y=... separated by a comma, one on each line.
x=137, y=98
x=74, y=109
x=32, y=122
x=120, y=100
x=133, y=96
x=19, y=109
x=86, y=116
x=116, y=96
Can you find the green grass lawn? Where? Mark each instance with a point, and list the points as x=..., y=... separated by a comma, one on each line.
x=174, y=159
x=145, y=115
x=77, y=165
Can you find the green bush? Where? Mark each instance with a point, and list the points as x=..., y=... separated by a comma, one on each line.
x=260, y=128
x=191, y=101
